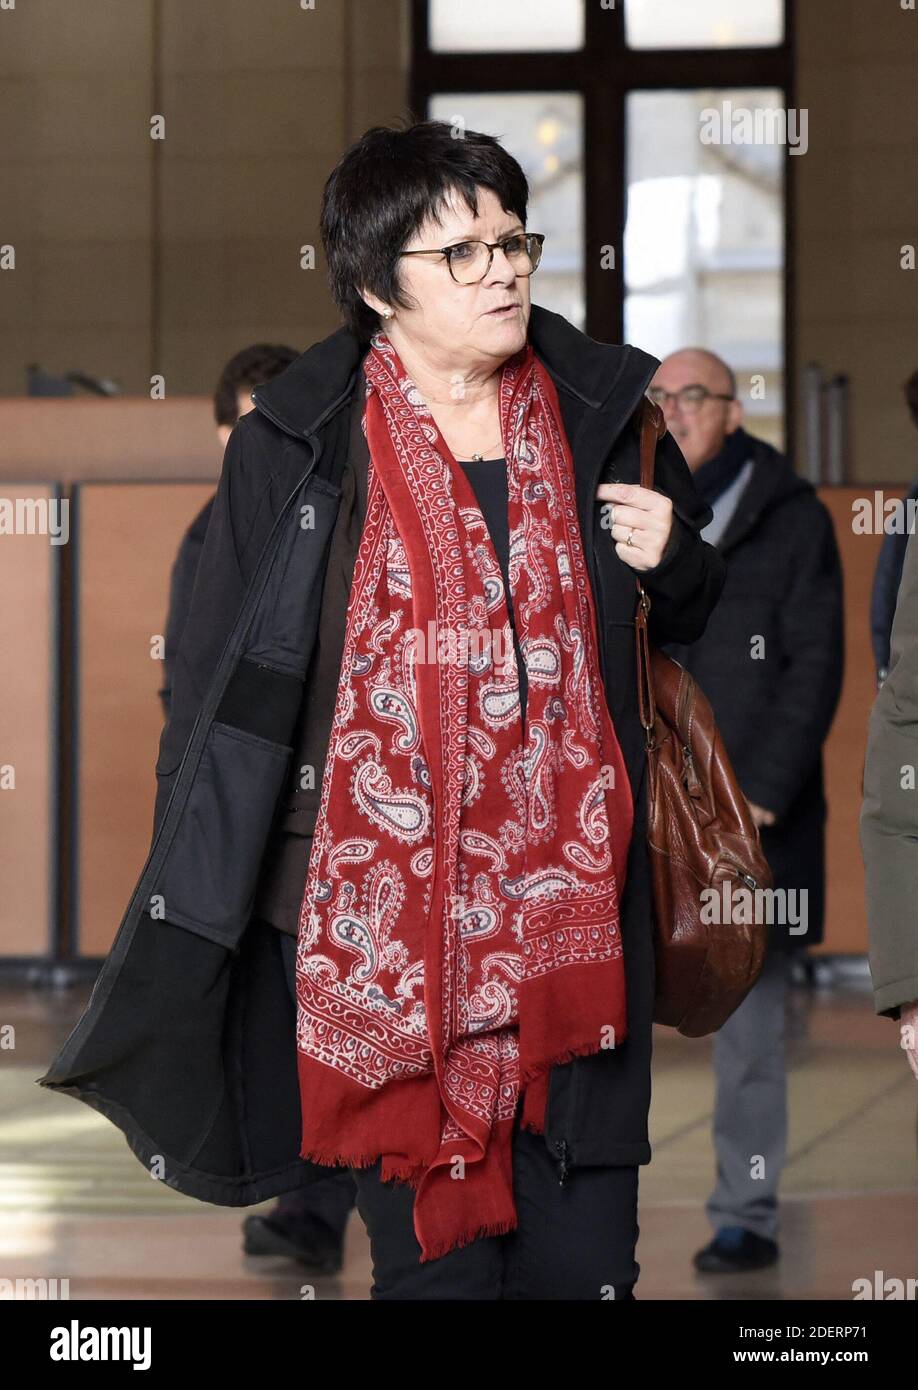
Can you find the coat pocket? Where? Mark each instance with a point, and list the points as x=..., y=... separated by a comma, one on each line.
x=210, y=874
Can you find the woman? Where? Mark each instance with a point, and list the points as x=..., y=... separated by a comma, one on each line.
x=461, y=926
x=474, y=964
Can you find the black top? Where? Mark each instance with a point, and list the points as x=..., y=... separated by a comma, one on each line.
x=181, y=586
x=488, y=478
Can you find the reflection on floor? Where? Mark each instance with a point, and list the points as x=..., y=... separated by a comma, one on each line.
x=76, y=1204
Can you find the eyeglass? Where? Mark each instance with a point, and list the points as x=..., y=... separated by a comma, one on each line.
x=470, y=261
x=689, y=399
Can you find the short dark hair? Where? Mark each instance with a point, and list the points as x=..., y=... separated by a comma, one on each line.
x=911, y=396
x=385, y=186
x=250, y=367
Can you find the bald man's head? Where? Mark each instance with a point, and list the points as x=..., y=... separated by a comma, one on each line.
x=699, y=428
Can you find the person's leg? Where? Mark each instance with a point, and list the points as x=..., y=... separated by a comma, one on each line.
x=308, y=1223
x=572, y=1242
x=327, y=1203
x=750, y=1111
x=472, y=1271
x=321, y=1208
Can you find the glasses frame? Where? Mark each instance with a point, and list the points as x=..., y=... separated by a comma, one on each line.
x=492, y=247
x=693, y=386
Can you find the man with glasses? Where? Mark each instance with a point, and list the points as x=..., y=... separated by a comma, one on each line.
x=770, y=662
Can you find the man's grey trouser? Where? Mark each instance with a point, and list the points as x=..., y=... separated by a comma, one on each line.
x=750, y=1109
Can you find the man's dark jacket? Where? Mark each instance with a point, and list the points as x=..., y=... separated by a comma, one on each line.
x=771, y=662
x=188, y=1040
x=181, y=587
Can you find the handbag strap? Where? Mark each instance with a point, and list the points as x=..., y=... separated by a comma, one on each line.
x=652, y=426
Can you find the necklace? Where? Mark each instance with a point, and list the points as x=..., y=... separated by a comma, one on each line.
x=476, y=458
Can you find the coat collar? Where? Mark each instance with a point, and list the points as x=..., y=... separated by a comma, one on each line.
x=771, y=483
x=605, y=377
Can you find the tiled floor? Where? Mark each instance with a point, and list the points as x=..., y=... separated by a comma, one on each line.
x=76, y=1204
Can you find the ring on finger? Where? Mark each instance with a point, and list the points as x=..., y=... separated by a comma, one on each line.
x=628, y=540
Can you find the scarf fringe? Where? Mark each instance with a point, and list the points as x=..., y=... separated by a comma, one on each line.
x=567, y=1054
x=407, y=1174
x=490, y=1228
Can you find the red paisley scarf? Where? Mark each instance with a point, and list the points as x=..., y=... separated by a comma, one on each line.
x=459, y=933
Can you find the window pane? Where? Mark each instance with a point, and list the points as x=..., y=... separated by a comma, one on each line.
x=543, y=130
x=704, y=241
x=703, y=23
x=474, y=26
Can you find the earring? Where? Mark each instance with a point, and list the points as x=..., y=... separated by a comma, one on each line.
x=388, y=314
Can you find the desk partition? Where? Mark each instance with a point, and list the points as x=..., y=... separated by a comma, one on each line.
x=29, y=707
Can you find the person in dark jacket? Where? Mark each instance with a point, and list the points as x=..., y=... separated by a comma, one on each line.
x=888, y=574
x=770, y=662
x=444, y=299
x=232, y=399
x=264, y=1010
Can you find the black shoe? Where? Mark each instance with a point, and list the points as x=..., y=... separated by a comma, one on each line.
x=734, y=1249
x=272, y=1235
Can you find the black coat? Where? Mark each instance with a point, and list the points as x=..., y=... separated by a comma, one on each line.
x=774, y=711
x=188, y=1040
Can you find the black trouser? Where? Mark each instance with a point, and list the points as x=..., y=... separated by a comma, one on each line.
x=572, y=1242
x=321, y=1209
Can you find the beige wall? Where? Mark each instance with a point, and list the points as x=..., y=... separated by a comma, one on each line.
x=136, y=256
x=76, y=172
x=857, y=204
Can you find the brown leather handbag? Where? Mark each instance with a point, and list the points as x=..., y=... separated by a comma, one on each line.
x=709, y=946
